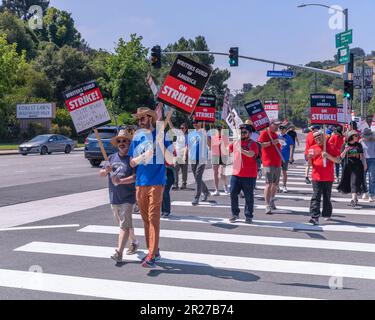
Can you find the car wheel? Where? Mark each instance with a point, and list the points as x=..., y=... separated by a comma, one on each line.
x=95, y=163
x=44, y=150
x=24, y=154
x=49, y=152
x=68, y=149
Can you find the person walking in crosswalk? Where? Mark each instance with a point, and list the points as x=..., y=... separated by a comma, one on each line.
x=245, y=171
x=287, y=144
x=322, y=177
x=368, y=144
x=271, y=159
x=122, y=193
x=198, y=143
x=148, y=152
x=337, y=139
x=310, y=141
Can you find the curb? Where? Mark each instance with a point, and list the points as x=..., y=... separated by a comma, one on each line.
x=13, y=152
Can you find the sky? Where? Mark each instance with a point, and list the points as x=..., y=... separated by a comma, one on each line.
x=269, y=29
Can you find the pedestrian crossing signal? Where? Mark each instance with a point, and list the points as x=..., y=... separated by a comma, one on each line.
x=233, y=57
x=156, y=57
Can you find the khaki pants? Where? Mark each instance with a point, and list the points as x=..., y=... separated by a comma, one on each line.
x=149, y=200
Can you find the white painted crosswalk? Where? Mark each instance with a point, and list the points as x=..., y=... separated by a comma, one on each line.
x=179, y=226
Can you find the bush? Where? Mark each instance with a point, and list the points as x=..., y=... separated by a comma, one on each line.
x=63, y=130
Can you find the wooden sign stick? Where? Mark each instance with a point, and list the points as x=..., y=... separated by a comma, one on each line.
x=324, y=146
x=104, y=153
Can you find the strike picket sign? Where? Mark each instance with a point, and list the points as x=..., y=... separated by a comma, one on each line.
x=324, y=109
x=184, y=85
x=257, y=115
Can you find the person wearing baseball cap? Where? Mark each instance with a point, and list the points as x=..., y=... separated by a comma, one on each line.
x=322, y=177
x=271, y=159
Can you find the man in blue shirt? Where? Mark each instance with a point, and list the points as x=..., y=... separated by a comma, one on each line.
x=148, y=154
x=198, y=155
x=286, y=142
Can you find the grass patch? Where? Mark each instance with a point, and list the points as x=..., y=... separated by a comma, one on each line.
x=5, y=146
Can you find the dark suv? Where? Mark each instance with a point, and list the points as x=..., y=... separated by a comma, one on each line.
x=92, y=149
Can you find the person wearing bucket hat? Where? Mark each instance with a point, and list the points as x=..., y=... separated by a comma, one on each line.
x=354, y=168
x=148, y=152
x=322, y=177
x=121, y=178
x=368, y=144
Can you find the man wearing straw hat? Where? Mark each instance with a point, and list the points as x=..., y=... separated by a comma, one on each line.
x=147, y=152
x=122, y=192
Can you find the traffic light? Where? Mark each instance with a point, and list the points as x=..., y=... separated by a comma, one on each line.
x=156, y=57
x=351, y=63
x=233, y=57
x=349, y=89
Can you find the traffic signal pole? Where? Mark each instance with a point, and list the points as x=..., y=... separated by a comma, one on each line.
x=301, y=67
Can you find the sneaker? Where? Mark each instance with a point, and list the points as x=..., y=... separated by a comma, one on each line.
x=215, y=194
x=249, y=220
x=175, y=188
x=157, y=256
x=195, y=202
x=268, y=210
x=365, y=196
x=272, y=204
x=117, y=256
x=353, y=203
x=148, y=262
x=166, y=214
x=233, y=219
x=371, y=199
x=314, y=222
x=327, y=219
x=284, y=189
x=308, y=181
x=226, y=190
x=205, y=196
x=132, y=248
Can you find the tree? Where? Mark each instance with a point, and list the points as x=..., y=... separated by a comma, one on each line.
x=125, y=76
x=18, y=33
x=65, y=68
x=21, y=7
x=59, y=28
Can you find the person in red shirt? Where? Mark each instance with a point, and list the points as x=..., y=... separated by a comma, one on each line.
x=245, y=171
x=271, y=159
x=322, y=177
x=309, y=142
x=337, y=140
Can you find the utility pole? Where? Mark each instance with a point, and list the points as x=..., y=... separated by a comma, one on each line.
x=363, y=89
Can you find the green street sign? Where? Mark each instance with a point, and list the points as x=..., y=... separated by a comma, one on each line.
x=344, y=39
x=344, y=55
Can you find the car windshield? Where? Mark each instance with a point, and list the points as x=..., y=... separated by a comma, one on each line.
x=107, y=134
x=39, y=138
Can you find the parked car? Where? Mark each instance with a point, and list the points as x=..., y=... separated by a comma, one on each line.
x=47, y=143
x=92, y=149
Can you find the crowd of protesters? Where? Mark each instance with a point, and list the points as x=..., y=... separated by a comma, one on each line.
x=149, y=161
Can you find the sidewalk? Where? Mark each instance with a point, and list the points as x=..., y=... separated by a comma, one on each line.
x=12, y=152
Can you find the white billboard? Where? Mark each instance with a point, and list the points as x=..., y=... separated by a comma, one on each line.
x=35, y=111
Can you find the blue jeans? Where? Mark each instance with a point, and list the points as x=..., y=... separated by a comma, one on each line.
x=371, y=173
x=247, y=185
x=166, y=205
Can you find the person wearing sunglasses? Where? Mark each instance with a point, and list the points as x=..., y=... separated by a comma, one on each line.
x=354, y=168
x=122, y=193
x=245, y=171
x=322, y=163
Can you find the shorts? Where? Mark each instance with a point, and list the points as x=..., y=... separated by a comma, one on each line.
x=219, y=160
x=285, y=166
x=123, y=215
x=272, y=174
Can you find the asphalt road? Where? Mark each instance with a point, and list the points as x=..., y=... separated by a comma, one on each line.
x=55, y=221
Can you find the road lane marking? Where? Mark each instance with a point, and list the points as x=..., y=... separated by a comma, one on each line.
x=41, y=227
x=214, y=261
x=244, y=239
x=114, y=289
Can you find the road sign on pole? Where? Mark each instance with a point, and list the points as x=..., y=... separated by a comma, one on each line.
x=343, y=39
x=344, y=55
x=280, y=74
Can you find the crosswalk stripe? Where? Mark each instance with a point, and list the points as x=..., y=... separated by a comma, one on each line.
x=292, y=226
x=245, y=239
x=41, y=227
x=280, y=209
x=114, y=289
x=214, y=261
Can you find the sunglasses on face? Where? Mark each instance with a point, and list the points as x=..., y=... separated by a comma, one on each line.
x=244, y=132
